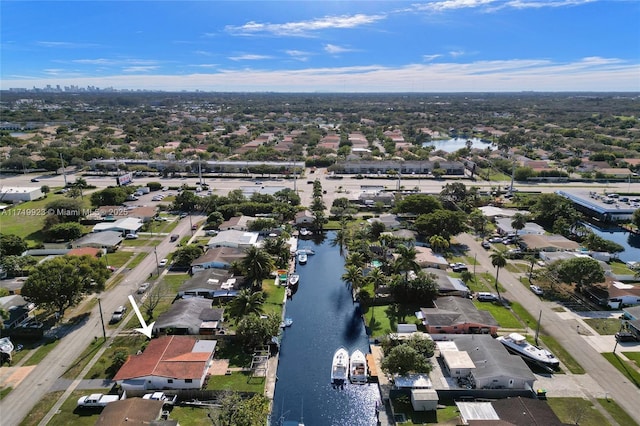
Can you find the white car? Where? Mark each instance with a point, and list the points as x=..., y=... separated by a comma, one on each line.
x=163, y=263
x=143, y=287
x=131, y=236
x=537, y=290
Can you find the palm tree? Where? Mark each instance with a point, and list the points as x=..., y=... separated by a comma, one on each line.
x=377, y=278
x=341, y=237
x=356, y=259
x=257, y=265
x=406, y=261
x=246, y=303
x=353, y=276
x=438, y=242
x=498, y=260
x=519, y=221
x=279, y=249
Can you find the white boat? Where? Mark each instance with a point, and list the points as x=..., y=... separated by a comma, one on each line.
x=6, y=345
x=517, y=344
x=340, y=367
x=302, y=258
x=305, y=232
x=286, y=323
x=294, y=279
x=358, y=367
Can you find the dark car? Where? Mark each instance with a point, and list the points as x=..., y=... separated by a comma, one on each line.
x=486, y=245
x=625, y=336
x=35, y=180
x=174, y=238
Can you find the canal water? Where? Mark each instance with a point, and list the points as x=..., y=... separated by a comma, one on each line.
x=630, y=242
x=324, y=319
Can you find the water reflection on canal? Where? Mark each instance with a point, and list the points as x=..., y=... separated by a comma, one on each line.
x=324, y=318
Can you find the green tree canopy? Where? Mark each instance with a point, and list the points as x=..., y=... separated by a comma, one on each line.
x=418, y=204
x=111, y=196
x=61, y=282
x=12, y=245
x=581, y=271
x=184, y=256
x=404, y=359
x=441, y=222
x=254, y=331
x=65, y=231
x=257, y=265
x=66, y=209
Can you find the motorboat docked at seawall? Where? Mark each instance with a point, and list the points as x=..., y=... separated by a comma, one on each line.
x=302, y=258
x=294, y=279
x=517, y=344
x=340, y=367
x=358, y=367
x=286, y=323
x=305, y=232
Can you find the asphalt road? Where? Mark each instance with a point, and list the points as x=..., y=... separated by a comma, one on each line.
x=19, y=402
x=626, y=394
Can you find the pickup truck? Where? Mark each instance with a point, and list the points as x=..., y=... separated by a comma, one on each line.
x=161, y=396
x=97, y=400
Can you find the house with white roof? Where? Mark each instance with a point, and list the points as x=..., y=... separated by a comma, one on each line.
x=235, y=239
x=129, y=225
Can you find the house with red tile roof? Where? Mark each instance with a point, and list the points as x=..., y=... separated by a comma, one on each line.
x=168, y=362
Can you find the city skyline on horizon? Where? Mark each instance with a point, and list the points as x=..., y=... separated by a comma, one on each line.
x=324, y=47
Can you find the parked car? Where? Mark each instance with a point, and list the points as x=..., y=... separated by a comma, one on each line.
x=485, y=245
x=174, y=238
x=625, y=336
x=163, y=263
x=131, y=236
x=194, y=227
x=35, y=180
x=458, y=267
x=486, y=297
x=537, y=290
x=143, y=287
x=495, y=240
x=118, y=314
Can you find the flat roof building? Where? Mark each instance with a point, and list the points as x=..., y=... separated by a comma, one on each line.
x=605, y=207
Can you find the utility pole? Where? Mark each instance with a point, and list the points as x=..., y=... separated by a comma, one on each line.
x=104, y=333
x=155, y=251
x=64, y=173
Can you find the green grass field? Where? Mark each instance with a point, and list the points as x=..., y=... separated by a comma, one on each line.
x=577, y=411
x=604, y=326
x=626, y=368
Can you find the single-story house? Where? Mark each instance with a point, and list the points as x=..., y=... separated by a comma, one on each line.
x=632, y=317
x=133, y=411
x=423, y=396
x=168, y=362
x=448, y=286
x=238, y=223
x=402, y=234
x=210, y=283
x=508, y=411
x=144, y=213
x=504, y=227
x=190, y=316
x=129, y=225
x=370, y=198
x=425, y=258
x=532, y=242
x=303, y=218
x=494, y=367
x=233, y=238
x=493, y=212
x=457, y=315
x=621, y=294
x=217, y=257
x=108, y=240
x=390, y=221
x=17, y=308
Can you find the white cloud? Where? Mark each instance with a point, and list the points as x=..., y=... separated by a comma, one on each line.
x=304, y=28
x=65, y=44
x=249, y=57
x=587, y=74
x=456, y=53
x=335, y=50
x=140, y=68
x=299, y=55
x=493, y=5
x=429, y=58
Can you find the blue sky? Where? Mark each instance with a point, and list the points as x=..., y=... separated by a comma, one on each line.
x=322, y=46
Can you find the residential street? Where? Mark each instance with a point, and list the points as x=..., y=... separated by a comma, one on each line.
x=563, y=329
x=19, y=402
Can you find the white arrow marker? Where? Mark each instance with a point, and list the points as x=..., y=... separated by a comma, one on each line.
x=146, y=329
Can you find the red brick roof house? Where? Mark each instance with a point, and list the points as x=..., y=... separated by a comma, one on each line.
x=169, y=362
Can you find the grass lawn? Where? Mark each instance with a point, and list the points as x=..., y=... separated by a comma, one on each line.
x=118, y=258
x=627, y=369
x=604, y=325
x=633, y=356
x=5, y=391
x=42, y=352
x=576, y=411
x=70, y=414
x=26, y=219
x=447, y=415
x=523, y=314
x=234, y=353
x=275, y=296
x=190, y=416
x=42, y=408
x=102, y=369
x=237, y=381
x=619, y=268
x=561, y=353
x=78, y=365
x=137, y=259
x=618, y=414
x=378, y=321
x=504, y=316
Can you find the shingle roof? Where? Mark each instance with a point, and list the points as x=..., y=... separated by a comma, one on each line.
x=162, y=357
x=453, y=310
